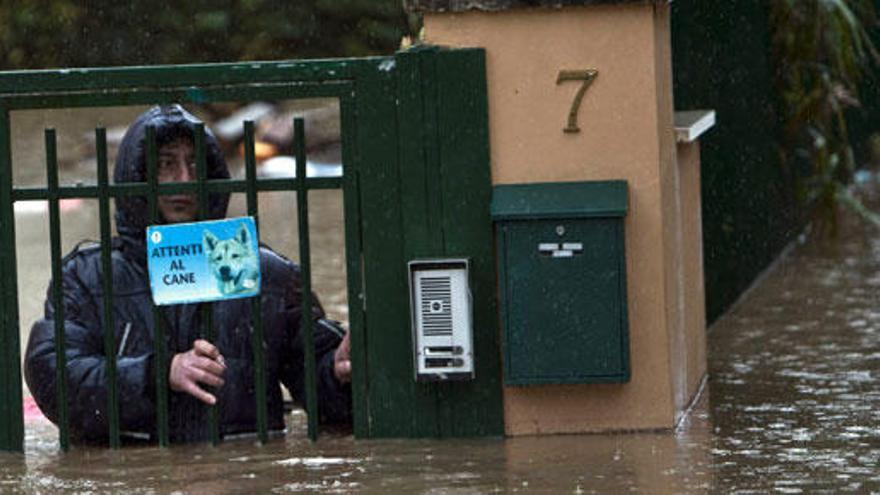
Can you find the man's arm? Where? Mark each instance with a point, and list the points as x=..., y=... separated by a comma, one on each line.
x=342, y=360
x=333, y=367
x=86, y=365
x=332, y=349
x=282, y=315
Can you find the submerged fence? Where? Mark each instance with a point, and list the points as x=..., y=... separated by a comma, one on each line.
x=162, y=85
x=152, y=189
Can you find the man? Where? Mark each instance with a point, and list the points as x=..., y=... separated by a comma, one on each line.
x=200, y=373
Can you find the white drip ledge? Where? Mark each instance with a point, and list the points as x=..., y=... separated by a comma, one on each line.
x=692, y=124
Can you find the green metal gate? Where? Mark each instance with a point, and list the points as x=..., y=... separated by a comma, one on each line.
x=415, y=184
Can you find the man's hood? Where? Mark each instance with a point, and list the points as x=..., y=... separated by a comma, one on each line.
x=170, y=122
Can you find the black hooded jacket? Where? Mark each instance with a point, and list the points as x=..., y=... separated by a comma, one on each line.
x=134, y=325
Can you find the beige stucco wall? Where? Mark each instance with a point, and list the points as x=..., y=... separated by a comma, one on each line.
x=626, y=122
x=693, y=297
x=673, y=242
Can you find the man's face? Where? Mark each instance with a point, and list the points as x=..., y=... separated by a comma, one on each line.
x=176, y=164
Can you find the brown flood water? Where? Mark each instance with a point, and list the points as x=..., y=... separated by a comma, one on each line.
x=791, y=404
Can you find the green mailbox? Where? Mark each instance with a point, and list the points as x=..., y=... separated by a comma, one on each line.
x=562, y=282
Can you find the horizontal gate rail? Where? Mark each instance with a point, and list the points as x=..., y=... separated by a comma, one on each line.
x=142, y=96
x=170, y=76
x=140, y=189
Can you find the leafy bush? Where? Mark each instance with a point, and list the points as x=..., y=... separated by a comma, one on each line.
x=71, y=33
x=823, y=51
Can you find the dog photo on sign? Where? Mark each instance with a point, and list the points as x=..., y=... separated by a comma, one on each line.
x=231, y=261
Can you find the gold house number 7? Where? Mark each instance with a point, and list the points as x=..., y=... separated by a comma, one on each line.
x=587, y=76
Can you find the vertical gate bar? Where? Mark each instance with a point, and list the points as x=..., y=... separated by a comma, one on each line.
x=206, y=308
x=10, y=355
x=5, y=420
x=57, y=291
x=107, y=286
x=302, y=208
x=356, y=301
x=256, y=303
x=160, y=349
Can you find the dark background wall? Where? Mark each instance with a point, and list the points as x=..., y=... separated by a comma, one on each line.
x=90, y=33
x=866, y=120
x=722, y=60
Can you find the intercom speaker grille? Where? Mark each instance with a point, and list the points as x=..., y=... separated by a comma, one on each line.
x=436, y=306
x=442, y=319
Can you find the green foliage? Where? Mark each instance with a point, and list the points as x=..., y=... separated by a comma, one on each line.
x=823, y=51
x=75, y=33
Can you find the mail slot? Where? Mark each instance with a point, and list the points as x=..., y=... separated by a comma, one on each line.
x=562, y=284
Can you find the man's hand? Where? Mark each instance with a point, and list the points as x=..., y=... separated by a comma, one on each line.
x=201, y=364
x=342, y=360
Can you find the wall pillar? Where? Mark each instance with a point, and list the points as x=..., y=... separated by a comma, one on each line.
x=626, y=132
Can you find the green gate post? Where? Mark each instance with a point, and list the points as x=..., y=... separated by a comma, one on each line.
x=432, y=202
x=5, y=443
x=376, y=132
x=11, y=420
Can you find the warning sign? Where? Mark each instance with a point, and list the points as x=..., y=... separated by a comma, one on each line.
x=203, y=261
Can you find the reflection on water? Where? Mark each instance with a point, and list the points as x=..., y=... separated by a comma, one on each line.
x=656, y=462
x=792, y=406
x=795, y=390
